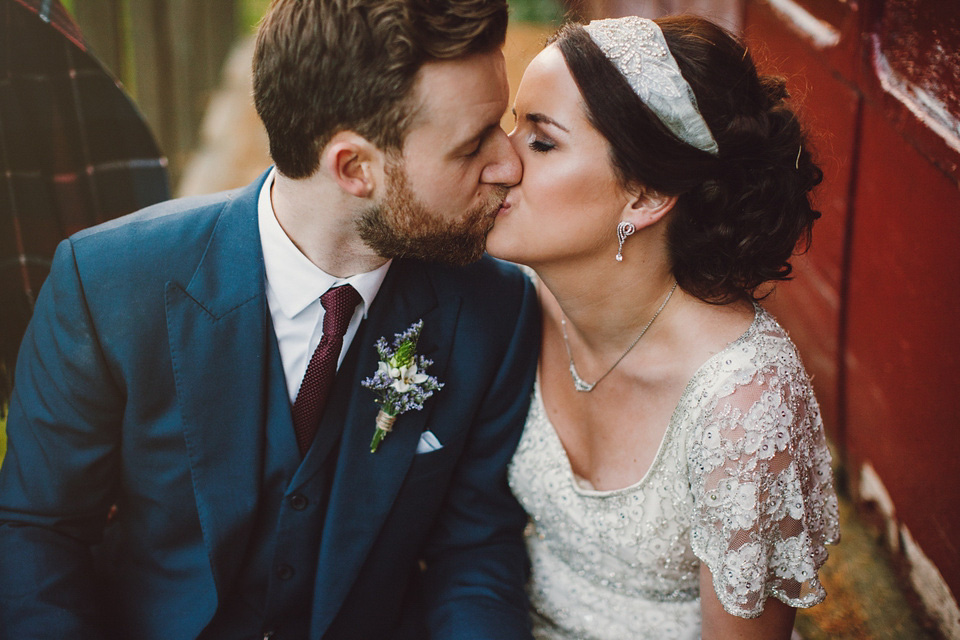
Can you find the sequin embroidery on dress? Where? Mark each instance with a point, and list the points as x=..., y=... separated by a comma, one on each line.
x=741, y=482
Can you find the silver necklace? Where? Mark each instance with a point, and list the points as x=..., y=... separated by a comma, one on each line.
x=582, y=385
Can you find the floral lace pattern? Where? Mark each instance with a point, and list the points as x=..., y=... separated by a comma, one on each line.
x=741, y=482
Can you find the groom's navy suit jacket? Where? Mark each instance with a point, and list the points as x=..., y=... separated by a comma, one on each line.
x=142, y=382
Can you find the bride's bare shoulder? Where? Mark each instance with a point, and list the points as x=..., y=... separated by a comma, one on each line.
x=702, y=330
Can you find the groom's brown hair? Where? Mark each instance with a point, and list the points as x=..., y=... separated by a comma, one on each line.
x=323, y=66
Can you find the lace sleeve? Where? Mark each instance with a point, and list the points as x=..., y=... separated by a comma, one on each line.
x=764, y=504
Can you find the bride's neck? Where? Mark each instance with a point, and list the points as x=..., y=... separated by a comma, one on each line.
x=607, y=304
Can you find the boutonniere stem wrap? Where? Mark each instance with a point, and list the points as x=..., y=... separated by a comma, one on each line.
x=401, y=382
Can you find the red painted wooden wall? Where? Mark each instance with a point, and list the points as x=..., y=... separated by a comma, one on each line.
x=875, y=304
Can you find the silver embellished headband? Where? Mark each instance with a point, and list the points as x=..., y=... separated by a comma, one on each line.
x=637, y=48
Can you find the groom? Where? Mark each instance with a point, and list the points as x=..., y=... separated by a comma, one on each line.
x=198, y=365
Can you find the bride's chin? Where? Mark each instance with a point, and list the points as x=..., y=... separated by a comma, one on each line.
x=498, y=245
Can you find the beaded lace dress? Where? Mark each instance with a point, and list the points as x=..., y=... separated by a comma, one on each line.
x=741, y=482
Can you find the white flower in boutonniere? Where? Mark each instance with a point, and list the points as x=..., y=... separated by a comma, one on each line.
x=400, y=382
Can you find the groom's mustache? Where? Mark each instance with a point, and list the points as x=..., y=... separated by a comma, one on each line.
x=497, y=198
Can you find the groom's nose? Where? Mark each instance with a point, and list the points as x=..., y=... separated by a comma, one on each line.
x=504, y=166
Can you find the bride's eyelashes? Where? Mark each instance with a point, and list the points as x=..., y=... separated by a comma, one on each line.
x=540, y=145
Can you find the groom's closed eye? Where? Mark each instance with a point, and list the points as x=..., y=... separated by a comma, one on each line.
x=468, y=148
x=472, y=146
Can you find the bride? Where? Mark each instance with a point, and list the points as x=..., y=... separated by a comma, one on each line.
x=673, y=462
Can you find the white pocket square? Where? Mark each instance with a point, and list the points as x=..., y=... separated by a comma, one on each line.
x=428, y=442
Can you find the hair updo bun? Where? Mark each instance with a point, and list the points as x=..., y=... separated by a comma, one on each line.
x=739, y=216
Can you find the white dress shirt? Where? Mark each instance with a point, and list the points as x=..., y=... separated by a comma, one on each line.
x=294, y=286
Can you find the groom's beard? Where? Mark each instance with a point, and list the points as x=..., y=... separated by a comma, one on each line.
x=401, y=226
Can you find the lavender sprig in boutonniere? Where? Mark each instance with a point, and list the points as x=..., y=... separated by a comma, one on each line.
x=400, y=382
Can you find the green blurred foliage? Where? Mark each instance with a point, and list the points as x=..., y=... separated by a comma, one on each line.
x=542, y=11
x=250, y=13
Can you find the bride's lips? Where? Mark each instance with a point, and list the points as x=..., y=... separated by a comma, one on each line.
x=503, y=208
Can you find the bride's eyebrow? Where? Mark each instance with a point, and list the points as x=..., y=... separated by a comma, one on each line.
x=540, y=118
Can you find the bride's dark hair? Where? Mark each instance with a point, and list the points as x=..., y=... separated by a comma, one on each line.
x=739, y=216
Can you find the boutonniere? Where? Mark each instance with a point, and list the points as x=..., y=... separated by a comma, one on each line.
x=400, y=382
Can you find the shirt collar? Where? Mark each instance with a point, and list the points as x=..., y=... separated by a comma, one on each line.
x=295, y=281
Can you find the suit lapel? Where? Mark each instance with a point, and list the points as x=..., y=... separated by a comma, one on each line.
x=365, y=484
x=216, y=327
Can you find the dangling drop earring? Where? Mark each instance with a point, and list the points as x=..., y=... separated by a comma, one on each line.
x=624, y=229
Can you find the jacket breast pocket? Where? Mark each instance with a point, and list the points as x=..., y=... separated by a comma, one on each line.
x=431, y=465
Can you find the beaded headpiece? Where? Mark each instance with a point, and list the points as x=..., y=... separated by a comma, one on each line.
x=637, y=48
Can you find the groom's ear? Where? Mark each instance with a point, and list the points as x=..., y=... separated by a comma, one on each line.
x=354, y=163
x=646, y=207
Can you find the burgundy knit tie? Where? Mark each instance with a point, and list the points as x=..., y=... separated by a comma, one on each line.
x=339, y=304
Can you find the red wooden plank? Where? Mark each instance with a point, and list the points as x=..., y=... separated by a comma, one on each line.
x=912, y=72
x=809, y=307
x=904, y=347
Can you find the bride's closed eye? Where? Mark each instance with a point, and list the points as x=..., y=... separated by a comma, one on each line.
x=540, y=145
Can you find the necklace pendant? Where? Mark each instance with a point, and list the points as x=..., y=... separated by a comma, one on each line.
x=582, y=385
x=579, y=383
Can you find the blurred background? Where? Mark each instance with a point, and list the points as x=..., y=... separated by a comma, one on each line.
x=874, y=303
